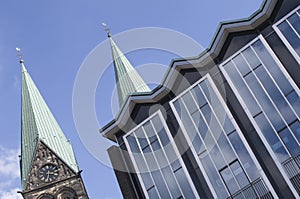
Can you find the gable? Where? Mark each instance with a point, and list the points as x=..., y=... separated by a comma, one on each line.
x=43, y=156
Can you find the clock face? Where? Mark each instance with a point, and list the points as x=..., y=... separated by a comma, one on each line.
x=48, y=173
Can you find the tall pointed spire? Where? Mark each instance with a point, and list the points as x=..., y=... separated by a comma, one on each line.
x=39, y=125
x=127, y=78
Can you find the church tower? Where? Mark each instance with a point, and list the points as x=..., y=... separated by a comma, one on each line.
x=48, y=165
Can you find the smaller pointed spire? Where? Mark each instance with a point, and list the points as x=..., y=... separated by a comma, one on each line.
x=127, y=78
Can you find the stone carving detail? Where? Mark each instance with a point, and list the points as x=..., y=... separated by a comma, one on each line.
x=67, y=185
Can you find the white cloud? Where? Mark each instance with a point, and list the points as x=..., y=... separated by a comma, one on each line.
x=9, y=162
x=10, y=194
x=9, y=173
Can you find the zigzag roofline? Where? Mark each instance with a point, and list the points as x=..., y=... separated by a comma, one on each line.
x=223, y=31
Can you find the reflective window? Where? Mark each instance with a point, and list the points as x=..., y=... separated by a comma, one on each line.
x=269, y=97
x=215, y=138
x=288, y=29
x=157, y=161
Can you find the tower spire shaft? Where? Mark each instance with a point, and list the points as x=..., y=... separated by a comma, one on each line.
x=127, y=78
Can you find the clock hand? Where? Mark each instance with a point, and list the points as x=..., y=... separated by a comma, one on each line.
x=48, y=175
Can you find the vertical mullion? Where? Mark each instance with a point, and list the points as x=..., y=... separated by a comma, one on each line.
x=292, y=27
x=272, y=78
x=209, y=128
x=165, y=154
x=146, y=164
x=226, y=137
x=257, y=101
x=152, y=153
x=272, y=101
x=201, y=138
x=210, y=131
x=195, y=126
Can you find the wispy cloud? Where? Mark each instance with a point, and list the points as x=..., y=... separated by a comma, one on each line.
x=9, y=163
x=10, y=194
x=9, y=173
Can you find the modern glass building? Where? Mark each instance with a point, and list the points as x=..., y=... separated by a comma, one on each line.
x=224, y=124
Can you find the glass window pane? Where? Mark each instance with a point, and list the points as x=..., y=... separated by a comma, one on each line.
x=229, y=180
x=265, y=102
x=289, y=141
x=189, y=102
x=197, y=144
x=133, y=144
x=206, y=89
x=227, y=125
x=148, y=182
x=188, y=124
x=171, y=182
x=242, y=88
x=241, y=64
x=295, y=22
x=178, y=106
x=272, y=67
x=214, y=126
x=294, y=100
x=153, y=193
x=239, y=174
x=217, y=157
x=162, y=134
x=295, y=127
x=140, y=162
x=151, y=161
x=161, y=159
x=160, y=184
x=146, y=149
x=155, y=145
x=175, y=165
x=184, y=184
x=226, y=148
x=214, y=177
x=244, y=156
x=251, y=58
x=198, y=96
x=271, y=138
x=139, y=133
x=151, y=135
x=275, y=95
x=202, y=127
x=290, y=35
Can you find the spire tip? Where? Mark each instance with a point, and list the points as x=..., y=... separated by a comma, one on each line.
x=106, y=29
x=20, y=55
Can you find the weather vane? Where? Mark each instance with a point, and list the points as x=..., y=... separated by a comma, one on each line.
x=106, y=29
x=20, y=55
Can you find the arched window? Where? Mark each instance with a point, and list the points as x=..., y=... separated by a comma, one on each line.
x=67, y=193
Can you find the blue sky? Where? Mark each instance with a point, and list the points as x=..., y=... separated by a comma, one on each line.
x=56, y=36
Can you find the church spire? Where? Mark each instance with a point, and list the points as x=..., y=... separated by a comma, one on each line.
x=127, y=78
x=40, y=126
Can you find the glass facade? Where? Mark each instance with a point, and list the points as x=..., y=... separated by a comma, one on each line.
x=223, y=155
x=288, y=29
x=157, y=161
x=271, y=100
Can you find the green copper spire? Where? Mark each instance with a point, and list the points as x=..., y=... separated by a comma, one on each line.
x=39, y=125
x=127, y=78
